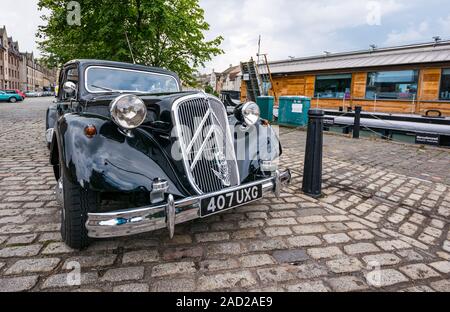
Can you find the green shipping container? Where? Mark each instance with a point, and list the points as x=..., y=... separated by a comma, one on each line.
x=265, y=104
x=293, y=110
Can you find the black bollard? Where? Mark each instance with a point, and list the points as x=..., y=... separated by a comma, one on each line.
x=357, y=125
x=312, y=174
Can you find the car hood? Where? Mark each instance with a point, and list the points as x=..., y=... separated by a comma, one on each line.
x=159, y=107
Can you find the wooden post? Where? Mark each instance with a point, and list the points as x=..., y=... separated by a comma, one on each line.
x=271, y=79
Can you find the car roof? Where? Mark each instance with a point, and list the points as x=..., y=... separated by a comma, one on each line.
x=93, y=62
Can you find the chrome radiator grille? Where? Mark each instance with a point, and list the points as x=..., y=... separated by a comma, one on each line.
x=206, y=143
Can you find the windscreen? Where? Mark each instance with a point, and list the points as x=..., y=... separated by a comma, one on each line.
x=109, y=79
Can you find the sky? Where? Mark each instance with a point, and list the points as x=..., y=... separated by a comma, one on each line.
x=288, y=28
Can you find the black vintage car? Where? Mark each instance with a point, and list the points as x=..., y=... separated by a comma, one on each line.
x=132, y=153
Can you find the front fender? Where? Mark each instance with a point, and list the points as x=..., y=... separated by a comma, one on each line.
x=51, y=117
x=111, y=161
x=253, y=145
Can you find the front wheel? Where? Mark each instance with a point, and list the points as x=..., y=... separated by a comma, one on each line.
x=12, y=100
x=77, y=202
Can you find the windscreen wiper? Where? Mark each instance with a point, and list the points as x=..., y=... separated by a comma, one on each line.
x=118, y=91
x=104, y=88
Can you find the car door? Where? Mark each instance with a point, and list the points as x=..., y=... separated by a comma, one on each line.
x=11, y=93
x=16, y=95
x=64, y=102
x=3, y=96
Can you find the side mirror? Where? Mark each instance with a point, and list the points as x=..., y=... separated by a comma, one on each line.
x=70, y=88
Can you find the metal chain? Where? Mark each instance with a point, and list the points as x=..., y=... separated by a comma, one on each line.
x=388, y=122
x=364, y=127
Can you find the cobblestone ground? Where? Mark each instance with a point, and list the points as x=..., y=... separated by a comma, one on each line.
x=383, y=224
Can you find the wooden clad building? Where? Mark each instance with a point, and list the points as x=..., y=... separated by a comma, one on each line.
x=409, y=79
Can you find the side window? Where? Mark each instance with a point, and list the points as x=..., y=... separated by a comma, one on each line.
x=69, y=74
x=445, y=85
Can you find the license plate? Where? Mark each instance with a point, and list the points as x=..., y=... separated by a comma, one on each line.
x=219, y=203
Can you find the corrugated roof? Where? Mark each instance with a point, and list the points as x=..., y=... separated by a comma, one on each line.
x=413, y=54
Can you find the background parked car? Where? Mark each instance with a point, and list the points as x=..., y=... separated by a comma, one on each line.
x=10, y=97
x=15, y=92
x=48, y=93
x=31, y=94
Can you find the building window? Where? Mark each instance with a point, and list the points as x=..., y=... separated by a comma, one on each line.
x=392, y=85
x=445, y=85
x=333, y=86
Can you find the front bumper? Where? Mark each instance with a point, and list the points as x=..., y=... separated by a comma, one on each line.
x=147, y=219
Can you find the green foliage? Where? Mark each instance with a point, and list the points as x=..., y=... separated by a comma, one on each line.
x=209, y=89
x=163, y=33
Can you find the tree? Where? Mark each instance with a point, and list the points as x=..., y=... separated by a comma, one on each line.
x=209, y=89
x=162, y=33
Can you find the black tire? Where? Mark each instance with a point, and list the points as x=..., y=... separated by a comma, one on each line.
x=78, y=202
x=12, y=100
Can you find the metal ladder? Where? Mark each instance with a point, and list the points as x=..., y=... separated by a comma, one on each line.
x=254, y=84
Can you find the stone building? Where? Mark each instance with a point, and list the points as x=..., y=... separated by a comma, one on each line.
x=9, y=61
x=22, y=70
x=229, y=80
x=35, y=76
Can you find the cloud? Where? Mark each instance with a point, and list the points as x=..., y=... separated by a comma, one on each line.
x=21, y=18
x=414, y=33
x=288, y=27
x=423, y=31
x=444, y=24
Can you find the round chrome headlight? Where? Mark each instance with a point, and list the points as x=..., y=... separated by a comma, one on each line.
x=128, y=111
x=250, y=113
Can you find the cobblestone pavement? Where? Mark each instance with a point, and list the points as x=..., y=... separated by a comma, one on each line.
x=383, y=224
